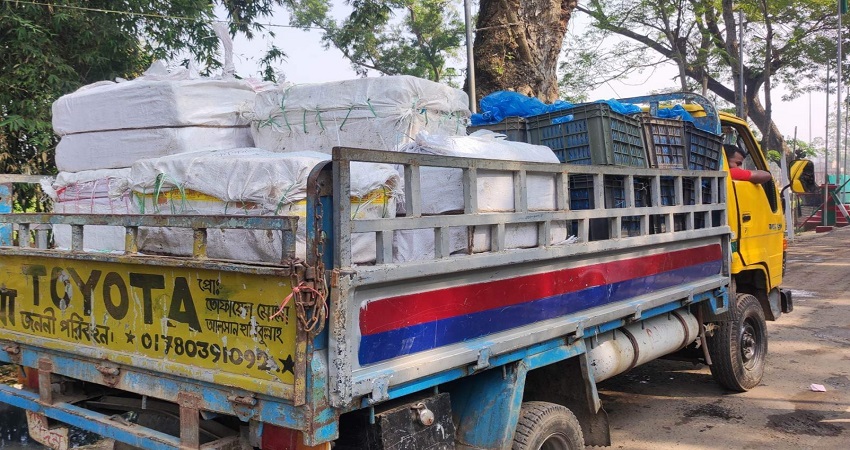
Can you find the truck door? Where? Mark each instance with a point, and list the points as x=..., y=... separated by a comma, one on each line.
x=758, y=221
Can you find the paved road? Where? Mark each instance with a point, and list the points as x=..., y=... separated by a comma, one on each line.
x=669, y=404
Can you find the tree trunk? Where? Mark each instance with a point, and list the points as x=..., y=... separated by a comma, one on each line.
x=767, y=127
x=517, y=44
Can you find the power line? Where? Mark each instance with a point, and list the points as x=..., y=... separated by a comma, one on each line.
x=148, y=15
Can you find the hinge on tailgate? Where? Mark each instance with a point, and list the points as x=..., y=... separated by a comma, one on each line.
x=14, y=351
x=243, y=405
x=110, y=373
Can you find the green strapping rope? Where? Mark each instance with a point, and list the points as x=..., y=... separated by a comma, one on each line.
x=319, y=119
x=160, y=180
x=351, y=108
x=283, y=199
x=286, y=121
x=304, y=121
x=283, y=109
x=369, y=103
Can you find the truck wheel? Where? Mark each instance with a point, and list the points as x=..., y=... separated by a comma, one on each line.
x=738, y=347
x=547, y=426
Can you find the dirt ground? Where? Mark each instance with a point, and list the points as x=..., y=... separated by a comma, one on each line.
x=670, y=404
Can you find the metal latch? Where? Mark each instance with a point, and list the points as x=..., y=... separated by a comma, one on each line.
x=380, y=390
x=483, y=359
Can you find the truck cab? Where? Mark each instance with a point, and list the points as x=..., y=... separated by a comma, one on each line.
x=757, y=223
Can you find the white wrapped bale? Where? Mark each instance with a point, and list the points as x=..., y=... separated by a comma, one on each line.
x=146, y=103
x=110, y=125
x=120, y=148
x=375, y=113
x=251, y=182
x=91, y=192
x=442, y=190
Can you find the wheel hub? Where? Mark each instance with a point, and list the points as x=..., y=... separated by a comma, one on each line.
x=749, y=345
x=556, y=441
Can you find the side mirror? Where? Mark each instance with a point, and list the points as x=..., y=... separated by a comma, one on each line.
x=802, y=176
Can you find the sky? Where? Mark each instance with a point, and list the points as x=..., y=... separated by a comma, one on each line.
x=309, y=62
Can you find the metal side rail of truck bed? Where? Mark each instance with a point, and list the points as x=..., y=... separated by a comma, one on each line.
x=401, y=327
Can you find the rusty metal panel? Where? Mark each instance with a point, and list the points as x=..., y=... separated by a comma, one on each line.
x=179, y=320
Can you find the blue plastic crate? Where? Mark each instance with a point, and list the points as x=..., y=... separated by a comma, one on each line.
x=581, y=187
x=512, y=127
x=595, y=135
x=703, y=148
x=668, y=191
x=665, y=142
x=581, y=192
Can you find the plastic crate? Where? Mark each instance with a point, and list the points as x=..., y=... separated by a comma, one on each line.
x=703, y=148
x=513, y=127
x=665, y=142
x=581, y=192
x=642, y=192
x=595, y=135
x=668, y=191
x=630, y=226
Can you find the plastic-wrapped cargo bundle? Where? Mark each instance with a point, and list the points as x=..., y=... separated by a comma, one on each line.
x=91, y=192
x=118, y=148
x=249, y=182
x=444, y=188
x=111, y=125
x=374, y=113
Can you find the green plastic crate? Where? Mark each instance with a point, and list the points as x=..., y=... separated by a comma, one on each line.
x=665, y=142
x=512, y=127
x=596, y=135
x=703, y=148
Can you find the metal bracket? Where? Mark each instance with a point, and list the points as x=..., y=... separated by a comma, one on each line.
x=635, y=317
x=243, y=405
x=380, y=390
x=14, y=351
x=110, y=373
x=483, y=359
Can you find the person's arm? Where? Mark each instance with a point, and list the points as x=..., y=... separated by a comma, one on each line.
x=753, y=176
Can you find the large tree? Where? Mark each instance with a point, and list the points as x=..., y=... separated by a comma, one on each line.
x=517, y=45
x=47, y=50
x=785, y=42
x=391, y=37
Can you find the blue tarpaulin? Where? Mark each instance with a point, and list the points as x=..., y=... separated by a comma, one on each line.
x=676, y=112
x=499, y=105
x=622, y=108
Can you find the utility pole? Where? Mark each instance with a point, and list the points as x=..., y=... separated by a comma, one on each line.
x=740, y=105
x=470, y=60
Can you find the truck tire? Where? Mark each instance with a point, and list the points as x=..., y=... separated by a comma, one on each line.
x=547, y=426
x=738, y=347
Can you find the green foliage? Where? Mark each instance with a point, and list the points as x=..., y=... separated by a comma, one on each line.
x=695, y=31
x=393, y=37
x=803, y=149
x=49, y=51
